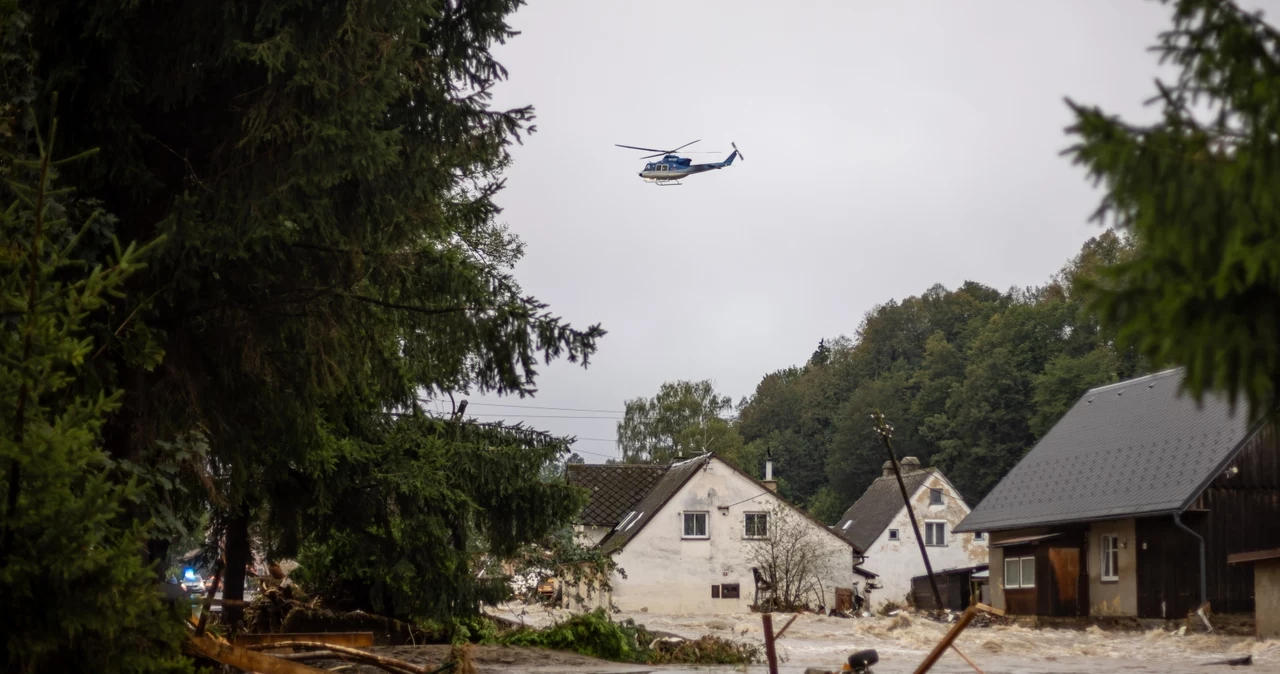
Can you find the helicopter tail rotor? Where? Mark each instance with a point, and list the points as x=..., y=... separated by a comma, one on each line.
x=735, y=149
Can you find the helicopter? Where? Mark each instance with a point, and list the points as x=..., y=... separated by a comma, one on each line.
x=671, y=168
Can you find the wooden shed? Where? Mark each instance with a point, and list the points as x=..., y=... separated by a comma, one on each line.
x=955, y=586
x=1266, y=588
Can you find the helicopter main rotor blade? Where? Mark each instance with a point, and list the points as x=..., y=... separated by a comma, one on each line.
x=683, y=146
x=646, y=149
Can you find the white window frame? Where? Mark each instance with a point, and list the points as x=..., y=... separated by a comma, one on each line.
x=928, y=533
x=1022, y=563
x=1109, y=571
x=939, y=494
x=746, y=531
x=979, y=535
x=706, y=524
x=893, y=535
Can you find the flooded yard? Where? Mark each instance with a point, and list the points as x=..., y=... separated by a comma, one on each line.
x=903, y=641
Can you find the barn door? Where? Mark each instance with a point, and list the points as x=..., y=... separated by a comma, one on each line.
x=844, y=599
x=1064, y=565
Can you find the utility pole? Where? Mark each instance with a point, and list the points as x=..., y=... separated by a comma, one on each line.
x=884, y=430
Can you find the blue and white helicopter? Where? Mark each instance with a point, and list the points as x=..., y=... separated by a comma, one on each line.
x=671, y=168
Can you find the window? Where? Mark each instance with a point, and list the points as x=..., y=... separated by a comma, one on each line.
x=757, y=525
x=935, y=533
x=980, y=536
x=1020, y=572
x=729, y=591
x=935, y=497
x=893, y=534
x=695, y=525
x=715, y=591
x=1110, y=558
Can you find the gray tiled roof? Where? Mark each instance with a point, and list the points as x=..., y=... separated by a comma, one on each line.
x=614, y=488
x=1133, y=448
x=663, y=489
x=862, y=523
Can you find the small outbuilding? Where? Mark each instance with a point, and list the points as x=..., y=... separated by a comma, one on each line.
x=958, y=587
x=1266, y=588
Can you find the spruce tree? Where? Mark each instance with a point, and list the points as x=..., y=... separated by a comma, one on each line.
x=1196, y=190
x=75, y=594
x=323, y=173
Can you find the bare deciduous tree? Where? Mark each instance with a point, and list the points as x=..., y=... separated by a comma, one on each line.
x=789, y=559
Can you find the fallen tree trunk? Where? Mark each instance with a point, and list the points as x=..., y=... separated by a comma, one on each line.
x=244, y=658
x=308, y=656
x=390, y=664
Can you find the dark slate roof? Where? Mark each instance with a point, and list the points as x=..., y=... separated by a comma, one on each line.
x=615, y=488
x=862, y=523
x=641, y=513
x=1133, y=448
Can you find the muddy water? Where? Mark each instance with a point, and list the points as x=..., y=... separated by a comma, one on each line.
x=902, y=642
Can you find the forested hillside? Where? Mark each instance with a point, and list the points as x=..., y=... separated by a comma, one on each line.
x=969, y=377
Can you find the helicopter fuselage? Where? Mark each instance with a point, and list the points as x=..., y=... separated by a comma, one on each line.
x=673, y=167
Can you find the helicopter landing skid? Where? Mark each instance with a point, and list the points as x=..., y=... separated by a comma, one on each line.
x=668, y=183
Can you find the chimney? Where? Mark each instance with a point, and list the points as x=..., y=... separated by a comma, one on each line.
x=769, y=483
x=909, y=464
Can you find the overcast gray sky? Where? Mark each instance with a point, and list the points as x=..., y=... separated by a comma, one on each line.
x=889, y=146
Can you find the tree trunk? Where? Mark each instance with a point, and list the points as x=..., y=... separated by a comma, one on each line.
x=238, y=558
x=158, y=554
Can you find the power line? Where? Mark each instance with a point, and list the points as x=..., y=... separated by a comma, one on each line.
x=605, y=456
x=557, y=409
x=545, y=416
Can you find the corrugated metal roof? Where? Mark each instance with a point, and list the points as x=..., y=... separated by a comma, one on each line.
x=615, y=488
x=862, y=523
x=1139, y=447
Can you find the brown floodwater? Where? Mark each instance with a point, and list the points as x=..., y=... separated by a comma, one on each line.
x=903, y=642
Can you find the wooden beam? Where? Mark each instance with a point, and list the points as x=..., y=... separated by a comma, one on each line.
x=348, y=639
x=1253, y=556
x=770, y=654
x=989, y=609
x=784, y=627
x=964, y=657
x=932, y=659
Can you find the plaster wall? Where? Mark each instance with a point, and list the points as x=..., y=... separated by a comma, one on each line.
x=667, y=573
x=898, y=561
x=590, y=534
x=1266, y=589
x=1116, y=597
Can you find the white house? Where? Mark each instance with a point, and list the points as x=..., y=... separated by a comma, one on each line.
x=879, y=525
x=688, y=536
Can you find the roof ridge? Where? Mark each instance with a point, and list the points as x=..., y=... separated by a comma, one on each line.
x=617, y=465
x=1131, y=382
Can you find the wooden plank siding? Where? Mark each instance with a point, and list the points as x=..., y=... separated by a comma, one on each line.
x=1238, y=512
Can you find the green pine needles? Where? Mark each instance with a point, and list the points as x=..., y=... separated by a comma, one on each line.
x=75, y=592
x=1197, y=191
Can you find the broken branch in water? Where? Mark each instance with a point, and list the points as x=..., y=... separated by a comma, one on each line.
x=352, y=654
